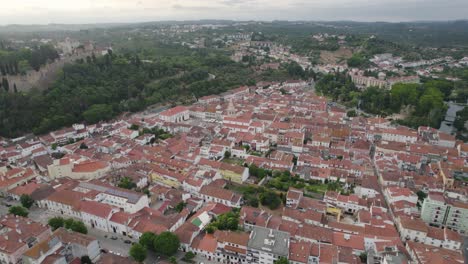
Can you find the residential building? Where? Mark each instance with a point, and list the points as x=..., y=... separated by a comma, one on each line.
x=267, y=245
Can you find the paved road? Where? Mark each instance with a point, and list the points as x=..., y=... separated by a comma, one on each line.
x=465, y=248
x=116, y=246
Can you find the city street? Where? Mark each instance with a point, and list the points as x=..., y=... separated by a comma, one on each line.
x=117, y=246
x=465, y=248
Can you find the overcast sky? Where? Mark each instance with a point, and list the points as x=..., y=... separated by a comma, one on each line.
x=92, y=11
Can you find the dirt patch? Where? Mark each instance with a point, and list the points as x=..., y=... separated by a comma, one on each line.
x=334, y=57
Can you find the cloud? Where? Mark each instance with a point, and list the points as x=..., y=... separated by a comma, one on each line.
x=91, y=11
x=235, y=2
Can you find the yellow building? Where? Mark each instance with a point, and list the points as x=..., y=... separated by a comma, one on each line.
x=234, y=173
x=167, y=178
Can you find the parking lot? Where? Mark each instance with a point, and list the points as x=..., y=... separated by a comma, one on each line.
x=113, y=243
x=5, y=205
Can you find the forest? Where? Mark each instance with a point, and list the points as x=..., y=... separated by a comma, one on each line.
x=99, y=88
x=424, y=102
x=14, y=62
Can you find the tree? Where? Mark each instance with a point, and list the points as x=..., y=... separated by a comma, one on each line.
x=357, y=61
x=138, y=252
x=351, y=113
x=147, y=240
x=403, y=94
x=282, y=260
x=227, y=154
x=210, y=229
x=26, y=201
x=460, y=119
x=188, y=256
x=68, y=223
x=127, y=183
x=270, y=199
x=18, y=210
x=227, y=221
x=5, y=84
x=180, y=206
x=295, y=70
x=363, y=257
x=83, y=146
x=98, y=112
x=166, y=243
x=421, y=195
x=86, y=260
x=79, y=227
x=173, y=260
x=56, y=222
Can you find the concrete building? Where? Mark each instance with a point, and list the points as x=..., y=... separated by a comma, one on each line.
x=434, y=209
x=439, y=210
x=267, y=245
x=176, y=114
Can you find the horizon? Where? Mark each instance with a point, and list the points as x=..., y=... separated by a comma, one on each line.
x=45, y=12
x=232, y=20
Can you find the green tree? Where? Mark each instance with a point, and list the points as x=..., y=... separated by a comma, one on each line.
x=460, y=119
x=270, y=199
x=357, y=61
x=173, y=260
x=26, y=201
x=127, y=183
x=79, y=227
x=227, y=154
x=363, y=257
x=351, y=113
x=282, y=260
x=210, y=229
x=5, y=84
x=18, y=210
x=56, y=222
x=86, y=260
x=68, y=223
x=421, y=195
x=134, y=127
x=166, y=243
x=138, y=252
x=189, y=256
x=83, y=146
x=431, y=99
x=98, y=112
x=180, y=206
x=404, y=94
x=227, y=221
x=147, y=240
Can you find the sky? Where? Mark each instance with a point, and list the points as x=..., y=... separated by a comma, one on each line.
x=104, y=11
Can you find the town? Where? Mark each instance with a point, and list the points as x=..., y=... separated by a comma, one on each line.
x=301, y=180
x=220, y=143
